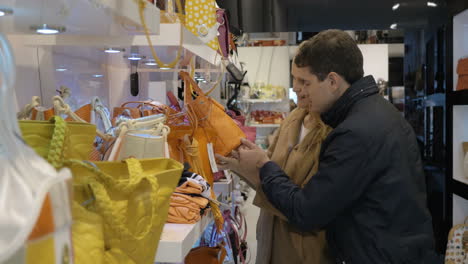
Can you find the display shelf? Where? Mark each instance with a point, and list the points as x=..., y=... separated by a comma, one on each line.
x=223, y=187
x=460, y=187
x=263, y=125
x=177, y=240
x=169, y=36
x=103, y=17
x=458, y=97
x=260, y=101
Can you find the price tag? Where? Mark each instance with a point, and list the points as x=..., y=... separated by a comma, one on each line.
x=211, y=156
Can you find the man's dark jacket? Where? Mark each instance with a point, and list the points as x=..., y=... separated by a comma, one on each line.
x=369, y=193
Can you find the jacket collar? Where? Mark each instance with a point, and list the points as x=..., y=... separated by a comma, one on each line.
x=363, y=88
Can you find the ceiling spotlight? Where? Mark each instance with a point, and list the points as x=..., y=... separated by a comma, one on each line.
x=431, y=4
x=393, y=26
x=97, y=75
x=48, y=29
x=151, y=62
x=165, y=68
x=395, y=6
x=5, y=12
x=113, y=50
x=60, y=69
x=135, y=57
x=204, y=81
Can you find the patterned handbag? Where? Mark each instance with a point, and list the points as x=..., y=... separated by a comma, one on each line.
x=457, y=245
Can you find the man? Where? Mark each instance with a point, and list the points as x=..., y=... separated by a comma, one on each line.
x=369, y=191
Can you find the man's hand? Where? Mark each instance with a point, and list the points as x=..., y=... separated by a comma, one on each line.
x=233, y=163
x=252, y=156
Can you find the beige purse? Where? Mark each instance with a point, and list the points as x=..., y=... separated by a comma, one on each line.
x=140, y=138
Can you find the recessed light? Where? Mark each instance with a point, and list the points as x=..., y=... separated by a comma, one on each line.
x=393, y=26
x=151, y=63
x=5, y=12
x=135, y=57
x=395, y=6
x=204, y=81
x=113, y=50
x=431, y=4
x=60, y=69
x=97, y=75
x=165, y=68
x=48, y=29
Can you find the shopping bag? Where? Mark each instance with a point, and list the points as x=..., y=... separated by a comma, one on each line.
x=462, y=71
x=210, y=115
x=132, y=197
x=35, y=214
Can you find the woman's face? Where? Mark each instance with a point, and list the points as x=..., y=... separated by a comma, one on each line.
x=300, y=81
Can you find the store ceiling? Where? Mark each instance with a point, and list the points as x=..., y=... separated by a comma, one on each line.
x=316, y=15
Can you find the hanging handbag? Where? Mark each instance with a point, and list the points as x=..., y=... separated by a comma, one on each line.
x=223, y=32
x=200, y=19
x=457, y=245
x=211, y=115
x=462, y=71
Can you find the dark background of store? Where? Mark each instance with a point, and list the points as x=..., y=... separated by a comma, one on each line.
x=425, y=72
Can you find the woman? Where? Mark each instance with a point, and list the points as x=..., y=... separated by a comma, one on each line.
x=296, y=149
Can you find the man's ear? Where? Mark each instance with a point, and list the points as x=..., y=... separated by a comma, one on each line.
x=334, y=79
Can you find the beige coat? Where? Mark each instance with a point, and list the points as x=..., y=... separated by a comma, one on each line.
x=279, y=242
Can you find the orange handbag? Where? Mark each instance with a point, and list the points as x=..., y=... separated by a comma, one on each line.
x=206, y=255
x=211, y=115
x=462, y=71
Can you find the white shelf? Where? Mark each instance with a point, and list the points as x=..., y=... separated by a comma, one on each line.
x=263, y=125
x=102, y=17
x=169, y=35
x=177, y=240
x=260, y=101
x=223, y=187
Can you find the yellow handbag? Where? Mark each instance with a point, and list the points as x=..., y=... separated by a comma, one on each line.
x=132, y=197
x=201, y=20
x=119, y=208
x=78, y=142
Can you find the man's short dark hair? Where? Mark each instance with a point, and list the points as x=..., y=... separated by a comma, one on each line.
x=331, y=51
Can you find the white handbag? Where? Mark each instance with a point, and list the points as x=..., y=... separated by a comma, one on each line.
x=144, y=137
x=35, y=218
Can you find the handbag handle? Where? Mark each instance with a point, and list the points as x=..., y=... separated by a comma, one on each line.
x=27, y=109
x=57, y=143
x=125, y=186
x=61, y=107
x=103, y=113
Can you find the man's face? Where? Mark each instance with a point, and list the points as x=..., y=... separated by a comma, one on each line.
x=311, y=93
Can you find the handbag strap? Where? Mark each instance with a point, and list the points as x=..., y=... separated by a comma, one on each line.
x=57, y=143
x=102, y=112
x=141, y=8
x=103, y=202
